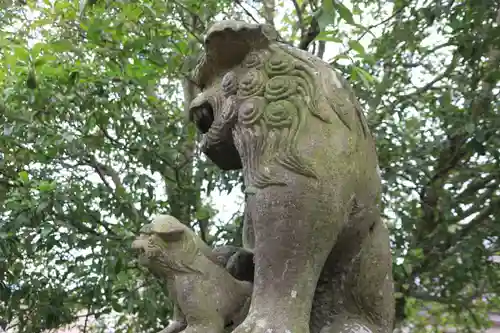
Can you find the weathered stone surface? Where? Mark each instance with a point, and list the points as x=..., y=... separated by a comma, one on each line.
x=321, y=252
x=207, y=299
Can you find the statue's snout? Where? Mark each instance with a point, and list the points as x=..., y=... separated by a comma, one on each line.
x=138, y=245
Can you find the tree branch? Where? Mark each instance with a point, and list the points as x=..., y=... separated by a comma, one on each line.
x=268, y=11
x=103, y=171
x=309, y=35
x=453, y=64
x=298, y=10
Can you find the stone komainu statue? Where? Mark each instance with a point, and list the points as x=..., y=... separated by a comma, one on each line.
x=321, y=253
x=207, y=299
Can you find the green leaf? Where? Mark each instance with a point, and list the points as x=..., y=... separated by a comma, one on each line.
x=470, y=128
x=325, y=15
x=37, y=48
x=41, y=22
x=31, y=80
x=46, y=231
x=202, y=213
x=115, y=305
x=328, y=37
x=62, y=45
x=340, y=56
x=365, y=77
x=21, y=52
x=118, y=266
x=356, y=46
x=344, y=12
x=46, y=186
x=24, y=176
x=40, y=61
x=398, y=295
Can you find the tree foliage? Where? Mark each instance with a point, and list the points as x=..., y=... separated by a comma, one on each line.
x=95, y=141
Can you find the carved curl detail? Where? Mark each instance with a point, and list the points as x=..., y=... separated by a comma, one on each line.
x=277, y=65
x=276, y=94
x=252, y=84
x=255, y=59
x=229, y=84
x=280, y=87
x=251, y=110
x=280, y=114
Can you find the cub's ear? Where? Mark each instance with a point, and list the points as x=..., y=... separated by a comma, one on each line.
x=172, y=235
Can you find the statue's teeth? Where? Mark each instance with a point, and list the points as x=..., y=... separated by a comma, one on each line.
x=197, y=116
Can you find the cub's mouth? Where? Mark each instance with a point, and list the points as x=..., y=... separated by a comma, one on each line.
x=203, y=116
x=139, y=246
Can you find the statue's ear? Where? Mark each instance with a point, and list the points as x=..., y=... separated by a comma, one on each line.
x=172, y=235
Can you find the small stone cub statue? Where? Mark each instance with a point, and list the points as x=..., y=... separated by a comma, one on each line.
x=207, y=298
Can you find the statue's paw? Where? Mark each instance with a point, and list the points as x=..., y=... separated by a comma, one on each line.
x=203, y=329
x=174, y=327
x=241, y=266
x=268, y=323
x=354, y=324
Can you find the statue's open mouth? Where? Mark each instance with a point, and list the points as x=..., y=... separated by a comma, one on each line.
x=217, y=142
x=203, y=116
x=138, y=248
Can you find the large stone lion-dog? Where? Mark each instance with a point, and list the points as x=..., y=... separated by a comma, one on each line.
x=321, y=251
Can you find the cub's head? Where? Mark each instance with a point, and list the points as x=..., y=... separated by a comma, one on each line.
x=166, y=244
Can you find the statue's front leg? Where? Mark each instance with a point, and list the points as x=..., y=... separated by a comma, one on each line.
x=294, y=233
x=178, y=323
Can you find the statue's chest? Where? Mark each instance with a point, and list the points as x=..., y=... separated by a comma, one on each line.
x=185, y=287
